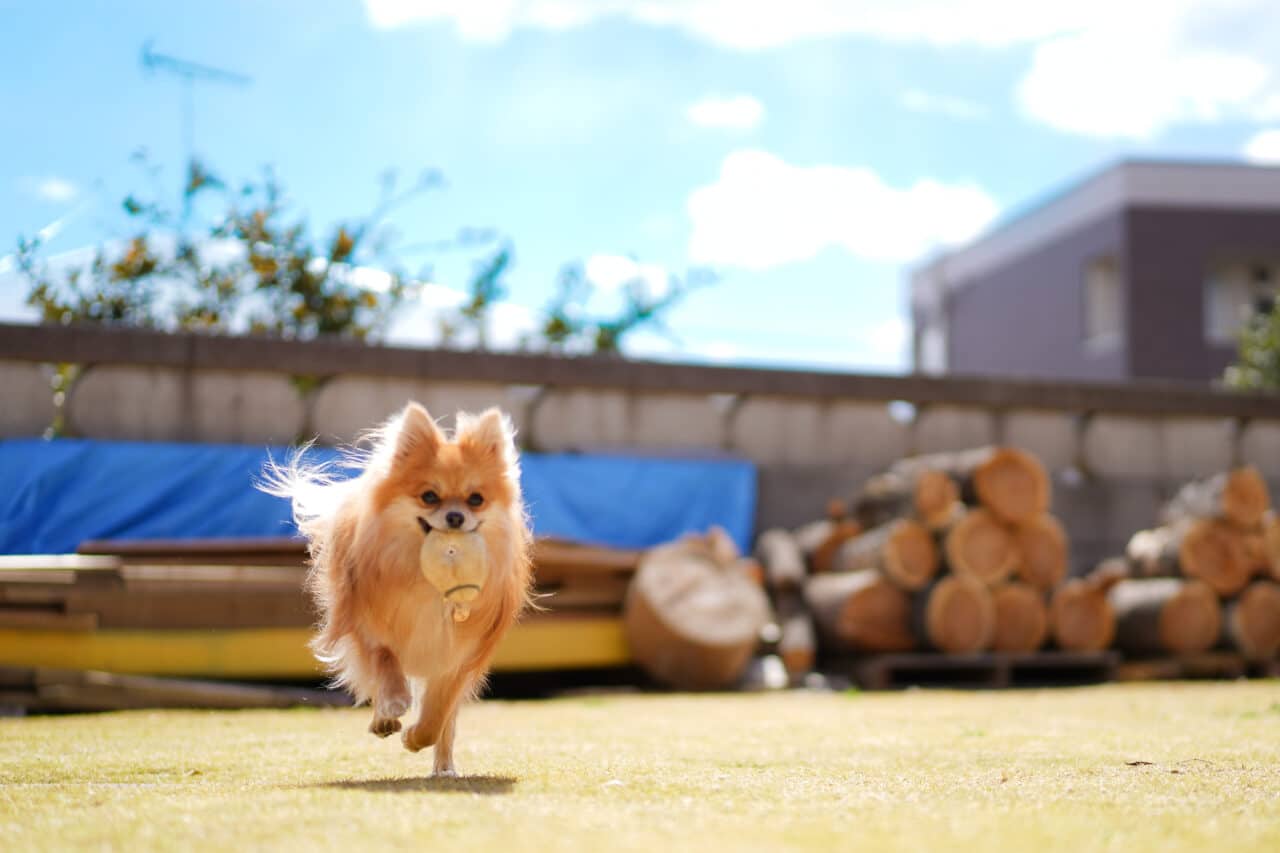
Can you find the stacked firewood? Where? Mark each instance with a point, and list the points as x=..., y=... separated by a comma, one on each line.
x=953, y=552
x=1206, y=577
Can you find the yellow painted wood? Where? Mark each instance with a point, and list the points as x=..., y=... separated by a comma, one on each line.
x=283, y=652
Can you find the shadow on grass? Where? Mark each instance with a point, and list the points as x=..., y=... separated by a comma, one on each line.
x=488, y=785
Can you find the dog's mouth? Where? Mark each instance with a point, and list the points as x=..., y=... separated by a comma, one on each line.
x=427, y=528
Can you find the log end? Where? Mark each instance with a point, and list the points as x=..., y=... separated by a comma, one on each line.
x=959, y=616
x=1042, y=552
x=982, y=548
x=1254, y=621
x=823, y=557
x=935, y=492
x=1080, y=617
x=691, y=622
x=910, y=555
x=1212, y=552
x=878, y=619
x=1245, y=497
x=1191, y=620
x=1022, y=620
x=1271, y=544
x=1013, y=484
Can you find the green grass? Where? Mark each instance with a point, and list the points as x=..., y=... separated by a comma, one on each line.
x=1127, y=768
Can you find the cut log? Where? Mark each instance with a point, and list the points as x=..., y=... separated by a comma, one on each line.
x=924, y=494
x=749, y=568
x=1238, y=497
x=1080, y=617
x=797, y=644
x=1154, y=553
x=955, y=615
x=1022, y=619
x=823, y=557
x=860, y=612
x=1271, y=546
x=1157, y=616
x=940, y=525
x=809, y=537
x=1252, y=621
x=782, y=559
x=690, y=621
x=980, y=547
x=1010, y=482
x=903, y=550
x=1042, y=552
x=1203, y=549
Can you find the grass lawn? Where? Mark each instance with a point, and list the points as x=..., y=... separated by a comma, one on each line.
x=1148, y=767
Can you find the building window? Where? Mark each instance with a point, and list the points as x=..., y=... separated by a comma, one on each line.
x=1103, y=304
x=931, y=348
x=1233, y=293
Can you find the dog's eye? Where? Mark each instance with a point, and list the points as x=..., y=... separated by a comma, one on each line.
x=430, y=498
x=475, y=499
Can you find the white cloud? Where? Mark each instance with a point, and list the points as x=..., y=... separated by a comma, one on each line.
x=612, y=272
x=51, y=189
x=946, y=105
x=886, y=341
x=736, y=112
x=1143, y=69
x=1263, y=147
x=764, y=212
x=756, y=24
x=1098, y=68
x=418, y=321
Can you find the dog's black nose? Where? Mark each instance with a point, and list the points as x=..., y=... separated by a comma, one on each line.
x=454, y=519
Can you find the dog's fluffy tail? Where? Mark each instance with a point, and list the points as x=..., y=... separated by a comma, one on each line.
x=316, y=491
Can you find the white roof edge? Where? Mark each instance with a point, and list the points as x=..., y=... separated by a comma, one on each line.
x=1125, y=184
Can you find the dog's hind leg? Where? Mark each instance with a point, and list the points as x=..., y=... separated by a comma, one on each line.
x=391, y=697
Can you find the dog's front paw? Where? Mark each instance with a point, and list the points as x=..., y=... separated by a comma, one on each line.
x=417, y=737
x=384, y=726
x=445, y=773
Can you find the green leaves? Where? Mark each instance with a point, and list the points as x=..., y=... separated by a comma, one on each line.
x=251, y=267
x=1257, y=366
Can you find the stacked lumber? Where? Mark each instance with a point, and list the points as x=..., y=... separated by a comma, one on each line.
x=955, y=553
x=236, y=609
x=35, y=689
x=1207, y=576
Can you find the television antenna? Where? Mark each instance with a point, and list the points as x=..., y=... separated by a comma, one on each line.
x=189, y=73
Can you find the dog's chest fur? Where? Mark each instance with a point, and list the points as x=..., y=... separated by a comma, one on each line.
x=407, y=615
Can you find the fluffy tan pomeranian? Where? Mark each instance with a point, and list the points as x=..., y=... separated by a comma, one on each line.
x=400, y=621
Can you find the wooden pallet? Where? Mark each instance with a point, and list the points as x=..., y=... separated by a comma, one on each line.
x=1206, y=665
x=990, y=670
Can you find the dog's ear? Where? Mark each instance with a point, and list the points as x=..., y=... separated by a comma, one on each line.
x=488, y=434
x=417, y=437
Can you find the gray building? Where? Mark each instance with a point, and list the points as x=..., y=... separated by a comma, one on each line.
x=1145, y=270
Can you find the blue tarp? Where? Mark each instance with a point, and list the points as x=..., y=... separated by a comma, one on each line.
x=56, y=494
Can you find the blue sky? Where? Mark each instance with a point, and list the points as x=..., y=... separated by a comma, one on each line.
x=810, y=152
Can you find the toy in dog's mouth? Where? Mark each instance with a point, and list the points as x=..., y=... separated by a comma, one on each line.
x=462, y=592
x=455, y=563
